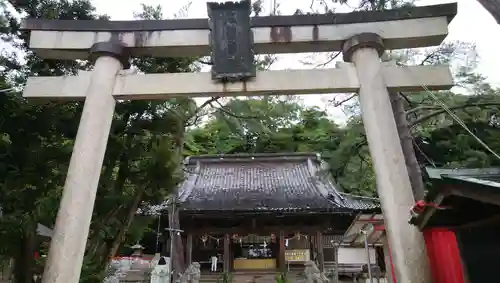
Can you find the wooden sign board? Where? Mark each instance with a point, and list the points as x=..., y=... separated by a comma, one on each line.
x=231, y=41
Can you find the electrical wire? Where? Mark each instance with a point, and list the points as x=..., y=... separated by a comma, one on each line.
x=453, y=115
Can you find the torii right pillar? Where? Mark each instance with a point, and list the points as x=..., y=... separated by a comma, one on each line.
x=393, y=184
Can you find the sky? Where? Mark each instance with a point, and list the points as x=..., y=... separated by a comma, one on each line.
x=472, y=24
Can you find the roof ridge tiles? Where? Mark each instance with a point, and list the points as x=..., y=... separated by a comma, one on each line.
x=283, y=180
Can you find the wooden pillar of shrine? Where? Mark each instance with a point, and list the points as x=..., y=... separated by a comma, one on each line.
x=281, y=258
x=189, y=249
x=320, y=250
x=227, y=256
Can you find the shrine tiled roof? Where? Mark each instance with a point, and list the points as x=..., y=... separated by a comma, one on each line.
x=263, y=182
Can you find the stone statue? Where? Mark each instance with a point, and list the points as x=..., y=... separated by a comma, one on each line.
x=160, y=273
x=193, y=273
x=154, y=261
x=313, y=274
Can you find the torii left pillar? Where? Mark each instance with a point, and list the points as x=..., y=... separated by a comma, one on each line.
x=75, y=212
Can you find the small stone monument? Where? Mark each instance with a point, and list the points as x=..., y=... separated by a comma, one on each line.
x=313, y=274
x=195, y=273
x=192, y=274
x=160, y=273
x=154, y=261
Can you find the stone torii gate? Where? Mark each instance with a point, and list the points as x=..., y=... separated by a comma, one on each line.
x=361, y=36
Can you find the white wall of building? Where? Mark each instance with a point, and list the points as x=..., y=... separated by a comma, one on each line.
x=348, y=255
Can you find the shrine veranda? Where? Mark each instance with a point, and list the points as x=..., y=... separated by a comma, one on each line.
x=362, y=37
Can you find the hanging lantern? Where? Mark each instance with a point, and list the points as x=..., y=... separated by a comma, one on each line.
x=235, y=236
x=204, y=240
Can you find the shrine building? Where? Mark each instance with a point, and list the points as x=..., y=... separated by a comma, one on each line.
x=462, y=227
x=264, y=212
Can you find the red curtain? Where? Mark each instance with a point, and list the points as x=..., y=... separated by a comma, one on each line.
x=444, y=256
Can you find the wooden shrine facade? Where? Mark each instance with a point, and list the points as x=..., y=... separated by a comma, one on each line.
x=261, y=211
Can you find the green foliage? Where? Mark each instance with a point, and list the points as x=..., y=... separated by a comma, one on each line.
x=225, y=278
x=282, y=278
x=92, y=270
x=141, y=165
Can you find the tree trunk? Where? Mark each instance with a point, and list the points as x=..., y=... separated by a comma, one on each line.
x=406, y=139
x=493, y=7
x=94, y=243
x=176, y=244
x=24, y=262
x=120, y=237
x=112, y=157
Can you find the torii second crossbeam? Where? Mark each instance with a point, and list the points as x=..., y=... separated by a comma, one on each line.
x=287, y=82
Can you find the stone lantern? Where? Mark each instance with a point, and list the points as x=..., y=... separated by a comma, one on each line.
x=137, y=250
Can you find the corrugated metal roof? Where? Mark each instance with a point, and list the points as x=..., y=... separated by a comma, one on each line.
x=492, y=181
x=489, y=177
x=437, y=173
x=262, y=182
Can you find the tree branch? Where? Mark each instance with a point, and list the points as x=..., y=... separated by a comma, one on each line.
x=493, y=7
x=337, y=104
x=439, y=112
x=199, y=109
x=429, y=56
x=329, y=60
x=209, y=63
x=206, y=103
x=423, y=107
x=410, y=103
x=227, y=112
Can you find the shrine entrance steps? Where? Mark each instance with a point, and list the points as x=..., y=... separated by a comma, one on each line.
x=252, y=276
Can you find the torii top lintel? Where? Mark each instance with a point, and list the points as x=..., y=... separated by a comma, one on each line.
x=400, y=28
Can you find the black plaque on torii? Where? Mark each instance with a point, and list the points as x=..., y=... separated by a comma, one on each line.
x=231, y=41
